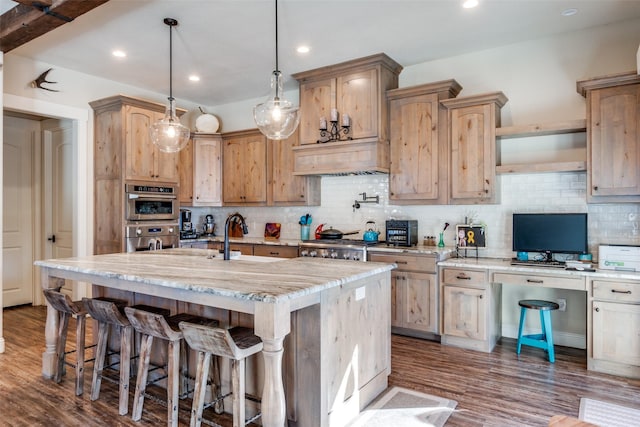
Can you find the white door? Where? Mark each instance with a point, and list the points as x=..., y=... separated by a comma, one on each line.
x=19, y=137
x=58, y=189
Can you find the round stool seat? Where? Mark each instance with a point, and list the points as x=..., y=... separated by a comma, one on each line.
x=536, y=304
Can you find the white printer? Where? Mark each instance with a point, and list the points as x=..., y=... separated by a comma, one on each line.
x=619, y=257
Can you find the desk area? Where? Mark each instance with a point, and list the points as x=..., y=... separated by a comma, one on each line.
x=471, y=307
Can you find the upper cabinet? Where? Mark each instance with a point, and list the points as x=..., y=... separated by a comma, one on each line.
x=355, y=88
x=285, y=189
x=144, y=161
x=207, y=169
x=244, y=168
x=613, y=137
x=472, y=138
x=419, y=149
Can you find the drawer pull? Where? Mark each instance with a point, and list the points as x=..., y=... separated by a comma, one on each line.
x=274, y=253
x=620, y=292
x=401, y=262
x=463, y=277
x=535, y=281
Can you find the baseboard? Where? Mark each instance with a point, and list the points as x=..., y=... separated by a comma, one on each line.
x=565, y=339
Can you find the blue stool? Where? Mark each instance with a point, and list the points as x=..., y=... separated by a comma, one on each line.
x=545, y=339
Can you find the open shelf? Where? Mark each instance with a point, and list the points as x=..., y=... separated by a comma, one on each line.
x=542, y=129
x=570, y=126
x=575, y=166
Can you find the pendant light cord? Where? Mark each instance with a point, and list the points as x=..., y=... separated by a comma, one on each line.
x=170, y=23
x=277, y=69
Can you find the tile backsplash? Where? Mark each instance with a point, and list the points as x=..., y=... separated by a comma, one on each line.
x=544, y=192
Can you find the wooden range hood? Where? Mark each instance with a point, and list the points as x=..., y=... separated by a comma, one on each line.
x=357, y=88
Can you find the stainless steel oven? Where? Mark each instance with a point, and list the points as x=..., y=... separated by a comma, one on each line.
x=150, y=236
x=146, y=202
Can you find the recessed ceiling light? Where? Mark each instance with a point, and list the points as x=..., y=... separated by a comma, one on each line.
x=194, y=78
x=469, y=4
x=569, y=12
x=119, y=53
x=303, y=49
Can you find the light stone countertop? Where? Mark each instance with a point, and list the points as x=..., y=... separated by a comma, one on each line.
x=247, y=240
x=504, y=264
x=202, y=270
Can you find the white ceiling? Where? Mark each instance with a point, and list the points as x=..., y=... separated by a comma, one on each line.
x=230, y=43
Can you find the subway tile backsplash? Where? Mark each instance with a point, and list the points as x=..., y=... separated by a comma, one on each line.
x=545, y=192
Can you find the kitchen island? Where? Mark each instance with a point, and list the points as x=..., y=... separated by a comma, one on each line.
x=336, y=313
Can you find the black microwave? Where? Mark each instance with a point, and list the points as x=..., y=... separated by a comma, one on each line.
x=402, y=232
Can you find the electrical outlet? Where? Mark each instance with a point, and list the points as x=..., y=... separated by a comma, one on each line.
x=563, y=304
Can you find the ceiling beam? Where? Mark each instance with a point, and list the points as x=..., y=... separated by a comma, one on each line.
x=32, y=18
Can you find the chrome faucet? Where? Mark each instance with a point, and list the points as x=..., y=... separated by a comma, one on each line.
x=227, y=224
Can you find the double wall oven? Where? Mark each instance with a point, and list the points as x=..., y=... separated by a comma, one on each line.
x=151, y=214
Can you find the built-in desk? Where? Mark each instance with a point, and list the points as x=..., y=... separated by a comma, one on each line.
x=471, y=307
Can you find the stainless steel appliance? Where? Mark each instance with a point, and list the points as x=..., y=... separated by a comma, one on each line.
x=151, y=202
x=335, y=249
x=209, y=226
x=151, y=236
x=187, y=230
x=402, y=232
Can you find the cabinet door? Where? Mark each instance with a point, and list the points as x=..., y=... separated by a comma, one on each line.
x=357, y=96
x=317, y=98
x=245, y=169
x=465, y=312
x=615, y=332
x=415, y=149
x=207, y=171
x=614, y=148
x=420, y=303
x=143, y=159
x=286, y=188
x=140, y=151
x=185, y=176
x=473, y=163
x=397, y=309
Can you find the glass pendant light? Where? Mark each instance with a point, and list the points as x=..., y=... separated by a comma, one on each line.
x=276, y=118
x=169, y=134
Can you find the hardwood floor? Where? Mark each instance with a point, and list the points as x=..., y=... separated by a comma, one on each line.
x=496, y=389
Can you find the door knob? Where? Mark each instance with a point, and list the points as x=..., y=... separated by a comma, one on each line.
x=52, y=239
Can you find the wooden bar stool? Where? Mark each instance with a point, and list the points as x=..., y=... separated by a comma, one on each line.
x=152, y=325
x=543, y=340
x=110, y=313
x=66, y=309
x=236, y=344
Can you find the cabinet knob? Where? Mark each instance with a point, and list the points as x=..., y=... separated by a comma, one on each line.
x=480, y=296
x=597, y=309
x=595, y=188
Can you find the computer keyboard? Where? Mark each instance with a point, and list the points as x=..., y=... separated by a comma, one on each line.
x=531, y=263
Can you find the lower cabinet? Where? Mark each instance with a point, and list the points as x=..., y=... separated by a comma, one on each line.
x=279, y=251
x=470, y=309
x=414, y=294
x=615, y=322
x=194, y=245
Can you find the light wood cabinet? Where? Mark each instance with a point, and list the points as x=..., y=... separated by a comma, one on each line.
x=419, y=149
x=284, y=188
x=278, y=251
x=144, y=161
x=244, y=168
x=185, y=176
x=414, y=293
x=613, y=137
x=356, y=88
x=207, y=170
x=470, y=309
x=615, y=321
x=472, y=138
x=123, y=151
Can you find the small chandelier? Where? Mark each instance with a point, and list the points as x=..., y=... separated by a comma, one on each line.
x=276, y=118
x=169, y=134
